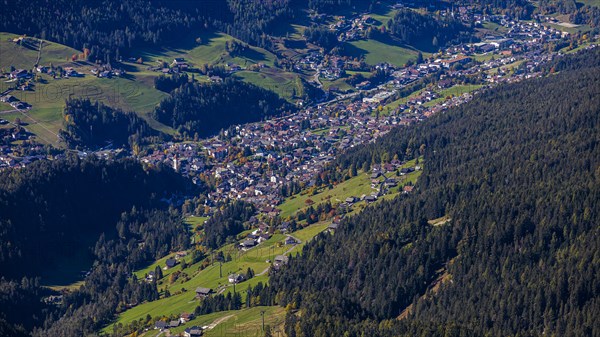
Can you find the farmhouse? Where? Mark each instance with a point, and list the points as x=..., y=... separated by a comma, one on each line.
x=390, y=182
x=236, y=278
x=248, y=243
x=178, y=60
x=19, y=73
x=185, y=317
x=370, y=198
x=406, y=170
x=203, y=292
x=290, y=241
x=280, y=260
x=192, y=332
x=8, y=99
x=160, y=325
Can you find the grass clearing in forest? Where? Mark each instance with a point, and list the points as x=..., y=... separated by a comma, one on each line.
x=214, y=276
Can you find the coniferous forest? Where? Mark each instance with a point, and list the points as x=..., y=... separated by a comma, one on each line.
x=111, y=29
x=53, y=210
x=205, y=109
x=516, y=172
x=94, y=125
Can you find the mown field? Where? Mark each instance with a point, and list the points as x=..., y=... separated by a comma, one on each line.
x=377, y=52
x=25, y=56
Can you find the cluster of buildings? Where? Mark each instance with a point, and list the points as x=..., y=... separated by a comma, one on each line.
x=194, y=331
x=14, y=102
x=351, y=28
x=257, y=160
x=107, y=71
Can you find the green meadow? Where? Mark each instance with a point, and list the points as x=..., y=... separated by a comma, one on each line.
x=355, y=186
x=376, y=52
x=214, y=276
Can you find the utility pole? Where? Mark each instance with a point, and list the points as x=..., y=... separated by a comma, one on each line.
x=220, y=269
x=262, y=313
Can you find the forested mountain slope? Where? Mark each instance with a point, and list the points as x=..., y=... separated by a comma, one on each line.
x=110, y=29
x=55, y=211
x=52, y=209
x=517, y=170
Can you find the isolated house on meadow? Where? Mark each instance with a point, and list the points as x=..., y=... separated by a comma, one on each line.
x=185, y=317
x=236, y=278
x=203, y=292
x=280, y=260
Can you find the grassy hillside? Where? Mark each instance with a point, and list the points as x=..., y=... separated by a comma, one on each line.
x=182, y=291
x=247, y=322
x=208, y=49
x=355, y=186
x=25, y=55
x=282, y=83
x=134, y=92
x=377, y=52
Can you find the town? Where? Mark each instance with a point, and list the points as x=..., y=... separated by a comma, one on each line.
x=256, y=162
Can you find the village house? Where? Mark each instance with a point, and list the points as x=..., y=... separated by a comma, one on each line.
x=18, y=74
x=160, y=325
x=192, y=332
x=186, y=317
x=248, y=243
x=279, y=261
